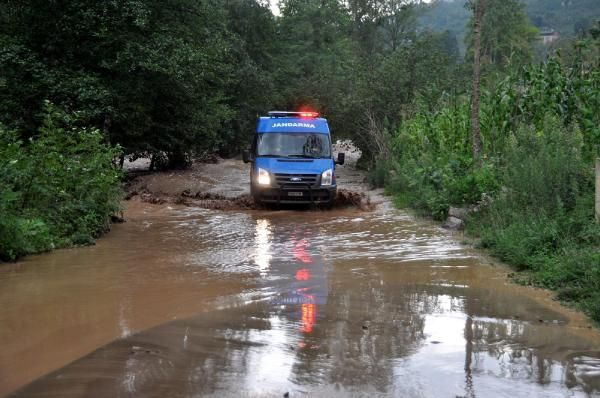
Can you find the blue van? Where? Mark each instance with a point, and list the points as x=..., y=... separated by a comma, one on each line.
x=292, y=160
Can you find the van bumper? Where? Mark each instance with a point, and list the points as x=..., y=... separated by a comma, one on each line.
x=294, y=194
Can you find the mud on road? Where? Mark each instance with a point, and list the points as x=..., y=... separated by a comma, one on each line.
x=224, y=185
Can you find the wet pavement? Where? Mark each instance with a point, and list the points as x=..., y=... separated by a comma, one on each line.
x=195, y=302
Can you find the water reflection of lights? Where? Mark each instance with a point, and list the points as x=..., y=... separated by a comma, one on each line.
x=263, y=241
x=309, y=317
x=308, y=307
x=300, y=253
x=302, y=274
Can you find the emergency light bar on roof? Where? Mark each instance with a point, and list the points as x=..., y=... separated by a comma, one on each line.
x=293, y=114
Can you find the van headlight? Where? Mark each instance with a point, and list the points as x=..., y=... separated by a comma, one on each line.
x=263, y=177
x=327, y=177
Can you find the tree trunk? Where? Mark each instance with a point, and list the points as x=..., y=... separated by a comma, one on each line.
x=475, y=130
x=598, y=190
x=106, y=128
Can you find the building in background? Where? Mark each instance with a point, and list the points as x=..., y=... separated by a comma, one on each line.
x=549, y=36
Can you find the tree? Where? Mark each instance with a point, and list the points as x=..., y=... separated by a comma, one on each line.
x=506, y=35
x=500, y=38
x=252, y=91
x=398, y=23
x=153, y=75
x=317, y=65
x=595, y=31
x=478, y=7
x=175, y=78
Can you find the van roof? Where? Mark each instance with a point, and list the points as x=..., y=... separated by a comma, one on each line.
x=271, y=124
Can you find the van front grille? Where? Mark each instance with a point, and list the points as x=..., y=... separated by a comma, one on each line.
x=296, y=179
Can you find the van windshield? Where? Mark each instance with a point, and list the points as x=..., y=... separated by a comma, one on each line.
x=302, y=145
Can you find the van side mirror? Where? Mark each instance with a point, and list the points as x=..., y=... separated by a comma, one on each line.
x=341, y=158
x=246, y=157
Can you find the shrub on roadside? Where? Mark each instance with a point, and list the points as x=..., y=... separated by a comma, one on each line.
x=57, y=189
x=536, y=168
x=432, y=165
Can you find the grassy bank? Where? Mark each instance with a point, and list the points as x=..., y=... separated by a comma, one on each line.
x=57, y=189
x=534, y=183
x=542, y=221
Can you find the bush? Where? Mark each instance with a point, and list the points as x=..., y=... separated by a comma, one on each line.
x=58, y=189
x=434, y=169
x=536, y=168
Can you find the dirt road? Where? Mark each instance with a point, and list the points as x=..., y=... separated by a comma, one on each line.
x=186, y=301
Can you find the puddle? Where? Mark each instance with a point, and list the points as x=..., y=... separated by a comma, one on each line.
x=185, y=301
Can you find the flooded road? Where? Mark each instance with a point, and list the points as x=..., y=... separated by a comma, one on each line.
x=195, y=302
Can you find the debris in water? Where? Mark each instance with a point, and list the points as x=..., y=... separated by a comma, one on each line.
x=214, y=201
x=117, y=219
x=346, y=198
x=151, y=198
x=130, y=195
x=218, y=187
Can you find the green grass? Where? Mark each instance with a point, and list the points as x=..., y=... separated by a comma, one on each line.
x=539, y=217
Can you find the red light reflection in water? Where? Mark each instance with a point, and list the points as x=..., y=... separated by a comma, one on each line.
x=302, y=274
x=308, y=309
x=299, y=252
x=309, y=316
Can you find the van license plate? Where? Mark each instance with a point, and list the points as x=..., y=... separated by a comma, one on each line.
x=295, y=194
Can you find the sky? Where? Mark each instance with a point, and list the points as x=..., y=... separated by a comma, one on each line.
x=275, y=9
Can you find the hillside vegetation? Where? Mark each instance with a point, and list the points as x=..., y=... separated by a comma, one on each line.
x=570, y=18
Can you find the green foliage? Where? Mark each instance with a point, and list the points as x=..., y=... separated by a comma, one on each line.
x=179, y=78
x=540, y=140
x=434, y=169
x=569, y=18
x=361, y=64
x=558, y=247
x=318, y=61
x=252, y=90
x=506, y=35
x=58, y=189
x=154, y=76
x=451, y=16
x=569, y=92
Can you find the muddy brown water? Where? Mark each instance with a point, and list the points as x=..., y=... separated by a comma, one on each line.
x=188, y=302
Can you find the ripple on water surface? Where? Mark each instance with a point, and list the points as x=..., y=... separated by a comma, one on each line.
x=321, y=303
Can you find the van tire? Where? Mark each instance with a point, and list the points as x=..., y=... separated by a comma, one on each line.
x=329, y=205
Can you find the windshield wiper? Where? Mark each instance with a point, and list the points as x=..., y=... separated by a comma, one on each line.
x=303, y=156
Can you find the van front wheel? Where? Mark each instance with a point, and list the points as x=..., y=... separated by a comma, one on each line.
x=329, y=205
